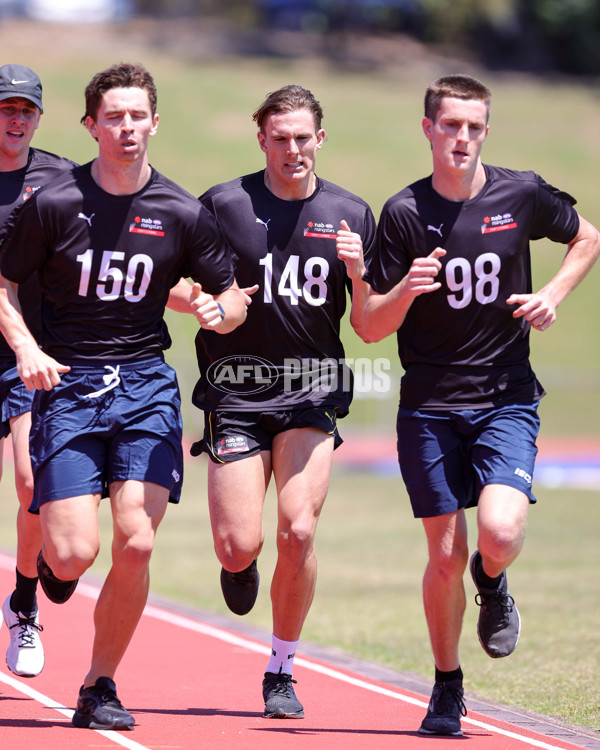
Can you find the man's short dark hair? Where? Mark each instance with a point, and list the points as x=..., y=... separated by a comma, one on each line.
x=458, y=87
x=122, y=75
x=288, y=99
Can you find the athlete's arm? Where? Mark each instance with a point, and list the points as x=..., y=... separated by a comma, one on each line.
x=187, y=298
x=180, y=297
x=350, y=249
x=383, y=314
x=540, y=307
x=222, y=312
x=36, y=369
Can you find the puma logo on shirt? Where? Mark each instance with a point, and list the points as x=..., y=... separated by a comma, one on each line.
x=264, y=223
x=87, y=218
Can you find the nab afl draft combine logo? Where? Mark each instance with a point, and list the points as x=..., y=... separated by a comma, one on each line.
x=498, y=223
x=29, y=191
x=141, y=225
x=320, y=229
x=242, y=375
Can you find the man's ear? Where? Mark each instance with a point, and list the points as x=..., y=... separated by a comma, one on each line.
x=92, y=128
x=427, y=125
x=261, y=140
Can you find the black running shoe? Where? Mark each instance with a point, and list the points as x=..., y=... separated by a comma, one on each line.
x=499, y=623
x=280, y=698
x=99, y=708
x=240, y=589
x=445, y=709
x=57, y=590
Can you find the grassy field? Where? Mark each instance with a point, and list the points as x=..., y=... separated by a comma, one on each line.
x=371, y=551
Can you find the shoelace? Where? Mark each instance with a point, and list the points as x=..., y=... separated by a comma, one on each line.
x=111, y=697
x=282, y=684
x=504, y=600
x=104, y=696
x=447, y=699
x=27, y=635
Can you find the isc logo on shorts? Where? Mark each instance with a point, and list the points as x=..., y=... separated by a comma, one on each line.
x=524, y=475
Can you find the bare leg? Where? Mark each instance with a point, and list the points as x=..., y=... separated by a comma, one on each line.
x=301, y=467
x=236, y=493
x=501, y=521
x=138, y=508
x=71, y=535
x=29, y=530
x=25, y=653
x=443, y=588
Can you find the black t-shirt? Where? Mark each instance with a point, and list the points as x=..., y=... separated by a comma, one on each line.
x=16, y=187
x=460, y=346
x=288, y=353
x=106, y=263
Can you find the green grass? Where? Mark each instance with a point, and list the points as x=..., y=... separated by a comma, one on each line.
x=371, y=551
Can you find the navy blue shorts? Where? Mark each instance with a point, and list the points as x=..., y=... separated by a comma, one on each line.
x=231, y=436
x=448, y=457
x=15, y=399
x=107, y=423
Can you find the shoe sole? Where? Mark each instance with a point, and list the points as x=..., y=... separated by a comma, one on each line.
x=82, y=721
x=283, y=715
x=26, y=675
x=440, y=734
x=475, y=554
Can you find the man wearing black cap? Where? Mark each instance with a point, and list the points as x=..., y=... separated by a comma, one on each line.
x=23, y=170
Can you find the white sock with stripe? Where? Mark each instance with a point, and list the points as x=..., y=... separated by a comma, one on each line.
x=282, y=656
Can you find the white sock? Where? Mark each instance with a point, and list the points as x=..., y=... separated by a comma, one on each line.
x=282, y=656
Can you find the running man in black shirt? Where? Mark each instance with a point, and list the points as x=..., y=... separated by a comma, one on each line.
x=273, y=390
x=108, y=242
x=23, y=171
x=451, y=274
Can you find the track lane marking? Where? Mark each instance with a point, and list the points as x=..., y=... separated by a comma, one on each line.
x=109, y=734
x=91, y=592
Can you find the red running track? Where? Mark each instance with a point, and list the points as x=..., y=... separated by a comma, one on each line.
x=191, y=684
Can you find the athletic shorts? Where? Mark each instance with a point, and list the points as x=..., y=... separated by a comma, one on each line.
x=15, y=399
x=107, y=423
x=232, y=436
x=447, y=457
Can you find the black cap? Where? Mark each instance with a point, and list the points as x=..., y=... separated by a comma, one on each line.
x=17, y=80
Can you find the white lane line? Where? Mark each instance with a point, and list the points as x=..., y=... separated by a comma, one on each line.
x=211, y=631
x=110, y=734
